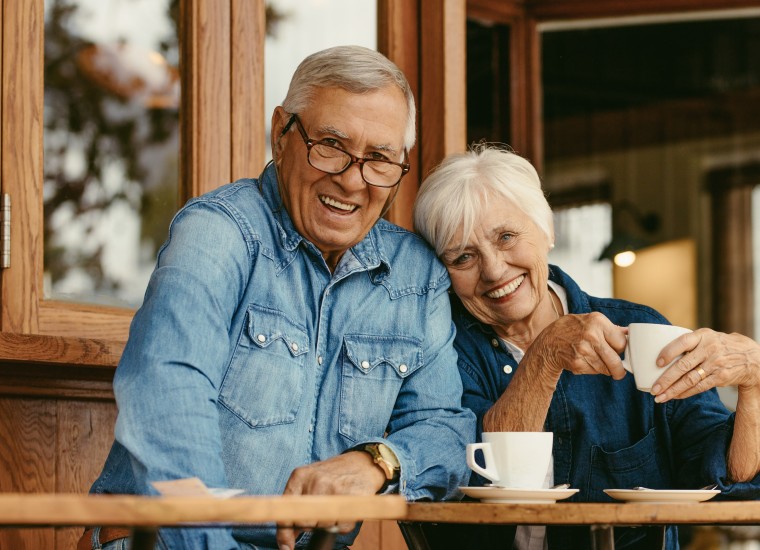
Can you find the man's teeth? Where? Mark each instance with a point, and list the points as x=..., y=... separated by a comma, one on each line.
x=340, y=205
x=511, y=287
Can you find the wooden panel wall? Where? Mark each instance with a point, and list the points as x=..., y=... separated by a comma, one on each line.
x=21, y=145
x=51, y=445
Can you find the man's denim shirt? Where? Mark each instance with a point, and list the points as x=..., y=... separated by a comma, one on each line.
x=248, y=358
x=607, y=434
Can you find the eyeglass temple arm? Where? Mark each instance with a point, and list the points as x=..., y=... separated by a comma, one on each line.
x=288, y=125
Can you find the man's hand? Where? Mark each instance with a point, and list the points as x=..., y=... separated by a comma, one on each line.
x=352, y=473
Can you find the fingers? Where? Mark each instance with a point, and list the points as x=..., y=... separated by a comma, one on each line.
x=588, y=344
x=679, y=346
x=286, y=537
x=691, y=382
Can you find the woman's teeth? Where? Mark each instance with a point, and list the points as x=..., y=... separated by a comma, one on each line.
x=339, y=205
x=510, y=288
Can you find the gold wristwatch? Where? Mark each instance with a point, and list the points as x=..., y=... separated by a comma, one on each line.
x=384, y=457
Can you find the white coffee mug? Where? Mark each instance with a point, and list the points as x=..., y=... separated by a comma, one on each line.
x=645, y=342
x=513, y=459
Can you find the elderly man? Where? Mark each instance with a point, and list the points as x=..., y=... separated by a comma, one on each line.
x=290, y=339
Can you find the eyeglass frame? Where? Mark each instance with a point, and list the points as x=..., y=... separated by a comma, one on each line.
x=310, y=143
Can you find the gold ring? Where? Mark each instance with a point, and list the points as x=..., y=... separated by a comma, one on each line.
x=701, y=372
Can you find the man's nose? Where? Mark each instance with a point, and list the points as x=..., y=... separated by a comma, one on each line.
x=351, y=179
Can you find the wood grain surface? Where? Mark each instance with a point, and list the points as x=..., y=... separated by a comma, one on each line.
x=627, y=513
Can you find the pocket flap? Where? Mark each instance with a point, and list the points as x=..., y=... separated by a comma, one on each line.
x=402, y=353
x=268, y=325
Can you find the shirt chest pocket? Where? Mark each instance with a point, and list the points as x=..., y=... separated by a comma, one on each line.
x=265, y=381
x=642, y=464
x=373, y=372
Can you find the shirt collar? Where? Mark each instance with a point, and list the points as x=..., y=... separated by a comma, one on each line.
x=369, y=252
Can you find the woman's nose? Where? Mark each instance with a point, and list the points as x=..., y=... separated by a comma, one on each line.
x=491, y=267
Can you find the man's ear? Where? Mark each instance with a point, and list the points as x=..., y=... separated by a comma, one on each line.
x=280, y=118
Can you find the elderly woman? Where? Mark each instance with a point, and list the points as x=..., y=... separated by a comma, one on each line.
x=528, y=338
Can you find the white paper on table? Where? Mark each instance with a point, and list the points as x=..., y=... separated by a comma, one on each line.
x=191, y=487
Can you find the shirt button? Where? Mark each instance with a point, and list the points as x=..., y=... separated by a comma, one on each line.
x=294, y=346
x=495, y=343
x=319, y=359
x=261, y=338
x=508, y=369
x=403, y=368
x=365, y=364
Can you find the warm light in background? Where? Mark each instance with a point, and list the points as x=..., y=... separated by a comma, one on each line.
x=664, y=277
x=625, y=259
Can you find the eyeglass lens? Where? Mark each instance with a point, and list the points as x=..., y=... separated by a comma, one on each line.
x=375, y=172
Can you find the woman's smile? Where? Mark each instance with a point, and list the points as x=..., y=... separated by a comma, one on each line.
x=507, y=289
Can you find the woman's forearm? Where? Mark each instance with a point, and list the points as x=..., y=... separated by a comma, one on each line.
x=524, y=404
x=744, y=451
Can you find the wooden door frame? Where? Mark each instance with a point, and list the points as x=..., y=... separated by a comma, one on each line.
x=222, y=102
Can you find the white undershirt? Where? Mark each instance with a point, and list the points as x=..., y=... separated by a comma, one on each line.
x=533, y=537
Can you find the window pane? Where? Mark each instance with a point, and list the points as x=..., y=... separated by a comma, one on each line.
x=488, y=86
x=111, y=145
x=756, y=256
x=580, y=235
x=651, y=106
x=297, y=28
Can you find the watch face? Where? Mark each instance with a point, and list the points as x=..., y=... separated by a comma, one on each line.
x=388, y=455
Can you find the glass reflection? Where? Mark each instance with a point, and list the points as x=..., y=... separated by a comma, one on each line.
x=111, y=145
x=297, y=28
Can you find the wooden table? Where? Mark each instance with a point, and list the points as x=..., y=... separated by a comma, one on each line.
x=146, y=514
x=600, y=517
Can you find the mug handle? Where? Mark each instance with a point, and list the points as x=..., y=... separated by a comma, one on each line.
x=489, y=472
x=626, y=355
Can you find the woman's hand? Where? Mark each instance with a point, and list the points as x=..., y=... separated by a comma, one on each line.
x=710, y=359
x=582, y=344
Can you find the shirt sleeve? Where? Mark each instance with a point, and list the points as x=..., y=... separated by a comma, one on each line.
x=702, y=429
x=429, y=427
x=167, y=382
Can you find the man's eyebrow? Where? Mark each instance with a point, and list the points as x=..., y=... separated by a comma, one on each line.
x=331, y=130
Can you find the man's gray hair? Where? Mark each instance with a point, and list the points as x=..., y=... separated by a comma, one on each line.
x=357, y=70
x=455, y=193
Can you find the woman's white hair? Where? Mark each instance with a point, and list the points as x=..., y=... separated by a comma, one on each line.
x=455, y=193
x=355, y=69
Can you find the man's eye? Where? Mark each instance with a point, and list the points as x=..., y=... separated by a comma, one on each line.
x=330, y=141
x=376, y=156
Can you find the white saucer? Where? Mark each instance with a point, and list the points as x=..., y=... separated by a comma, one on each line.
x=523, y=496
x=659, y=496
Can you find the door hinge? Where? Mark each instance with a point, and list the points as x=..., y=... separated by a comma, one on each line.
x=5, y=231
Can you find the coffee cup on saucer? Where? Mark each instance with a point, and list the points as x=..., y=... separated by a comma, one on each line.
x=513, y=459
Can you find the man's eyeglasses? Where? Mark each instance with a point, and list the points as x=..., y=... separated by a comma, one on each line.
x=334, y=160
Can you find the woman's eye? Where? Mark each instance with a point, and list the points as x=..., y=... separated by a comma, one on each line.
x=506, y=237
x=461, y=259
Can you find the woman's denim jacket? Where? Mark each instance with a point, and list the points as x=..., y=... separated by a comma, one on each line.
x=249, y=358
x=607, y=434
